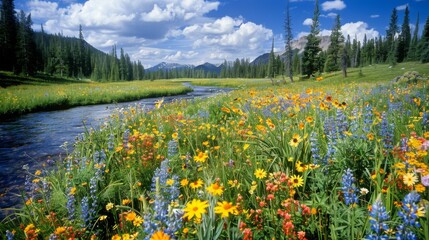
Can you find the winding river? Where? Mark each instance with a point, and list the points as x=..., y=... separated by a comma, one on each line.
x=36, y=137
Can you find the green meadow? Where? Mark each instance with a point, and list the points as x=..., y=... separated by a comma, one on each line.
x=332, y=158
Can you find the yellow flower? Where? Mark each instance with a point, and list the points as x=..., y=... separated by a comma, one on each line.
x=297, y=181
x=296, y=139
x=109, y=206
x=215, y=189
x=309, y=119
x=421, y=212
x=131, y=216
x=116, y=237
x=300, y=167
x=196, y=184
x=225, y=208
x=103, y=217
x=184, y=182
x=126, y=201
x=29, y=227
x=410, y=179
x=260, y=173
x=370, y=136
x=175, y=135
x=59, y=230
x=196, y=208
x=169, y=182
x=72, y=190
x=201, y=157
x=38, y=172
x=160, y=235
x=420, y=188
x=138, y=221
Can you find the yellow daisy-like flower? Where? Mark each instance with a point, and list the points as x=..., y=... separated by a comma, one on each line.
x=201, y=157
x=215, y=189
x=196, y=208
x=116, y=237
x=297, y=181
x=38, y=172
x=184, y=182
x=138, y=221
x=109, y=206
x=59, y=230
x=420, y=188
x=131, y=216
x=225, y=208
x=126, y=201
x=196, y=184
x=175, y=135
x=169, y=182
x=300, y=167
x=309, y=119
x=160, y=235
x=410, y=179
x=260, y=173
x=296, y=139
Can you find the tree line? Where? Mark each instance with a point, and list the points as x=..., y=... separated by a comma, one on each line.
x=26, y=52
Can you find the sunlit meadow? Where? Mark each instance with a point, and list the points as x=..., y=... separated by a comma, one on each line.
x=320, y=159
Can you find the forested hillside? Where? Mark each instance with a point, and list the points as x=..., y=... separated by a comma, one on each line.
x=26, y=52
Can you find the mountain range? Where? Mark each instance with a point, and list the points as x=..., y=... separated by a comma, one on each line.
x=297, y=45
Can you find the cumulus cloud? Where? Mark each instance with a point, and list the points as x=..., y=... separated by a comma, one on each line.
x=358, y=30
x=402, y=7
x=308, y=22
x=333, y=5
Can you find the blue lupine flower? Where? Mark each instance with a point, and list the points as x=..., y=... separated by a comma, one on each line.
x=386, y=132
x=378, y=218
x=84, y=215
x=9, y=235
x=163, y=215
x=425, y=120
x=408, y=216
x=354, y=124
x=110, y=143
x=367, y=120
x=315, y=151
x=125, y=138
x=348, y=188
x=172, y=148
x=70, y=203
x=341, y=123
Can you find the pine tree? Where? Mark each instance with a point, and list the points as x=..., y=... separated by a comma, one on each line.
x=424, y=43
x=25, y=53
x=8, y=29
x=288, y=46
x=390, y=38
x=413, y=54
x=271, y=63
x=310, y=58
x=404, y=39
x=335, y=48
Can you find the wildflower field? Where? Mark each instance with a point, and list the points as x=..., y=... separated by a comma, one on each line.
x=325, y=159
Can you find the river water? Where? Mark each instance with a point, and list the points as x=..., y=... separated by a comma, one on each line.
x=36, y=137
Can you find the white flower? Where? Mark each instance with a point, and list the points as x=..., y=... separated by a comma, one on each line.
x=364, y=191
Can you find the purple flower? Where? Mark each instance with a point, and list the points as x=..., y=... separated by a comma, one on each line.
x=425, y=181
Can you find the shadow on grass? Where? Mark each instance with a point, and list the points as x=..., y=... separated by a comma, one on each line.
x=8, y=79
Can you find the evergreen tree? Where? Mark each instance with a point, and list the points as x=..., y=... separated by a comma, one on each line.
x=296, y=63
x=8, y=31
x=288, y=46
x=390, y=38
x=271, y=63
x=310, y=58
x=424, y=43
x=412, y=53
x=404, y=39
x=335, y=48
x=26, y=49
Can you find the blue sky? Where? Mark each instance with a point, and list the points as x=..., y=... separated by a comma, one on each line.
x=198, y=31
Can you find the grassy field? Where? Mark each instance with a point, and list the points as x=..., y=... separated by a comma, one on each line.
x=329, y=159
x=22, y=95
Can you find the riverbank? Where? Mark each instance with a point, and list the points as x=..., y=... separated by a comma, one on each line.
x=27, y=97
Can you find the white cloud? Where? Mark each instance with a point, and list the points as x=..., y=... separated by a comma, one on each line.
x=333, y=5
x=358, y=30
x=308, y=22
x=402, y=7
x=180, y=56
x=375, y=16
